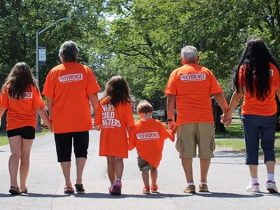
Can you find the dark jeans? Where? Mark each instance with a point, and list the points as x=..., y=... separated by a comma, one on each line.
x=258, y=128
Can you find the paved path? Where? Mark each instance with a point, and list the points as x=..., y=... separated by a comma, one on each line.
x=228, y=178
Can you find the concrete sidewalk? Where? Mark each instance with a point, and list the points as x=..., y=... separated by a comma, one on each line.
x=228, y=178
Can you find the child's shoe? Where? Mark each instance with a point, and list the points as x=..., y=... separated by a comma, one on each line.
x=116, y=188
x=154, y=189
x=146, y=190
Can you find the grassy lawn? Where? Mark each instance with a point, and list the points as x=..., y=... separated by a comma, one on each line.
x=233, y=138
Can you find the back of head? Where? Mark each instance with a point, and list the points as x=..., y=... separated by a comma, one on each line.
x=117, y=90
x=144, y=107
x=69, y=51
x=256, y=59
x=189, y=54
x=19, y=80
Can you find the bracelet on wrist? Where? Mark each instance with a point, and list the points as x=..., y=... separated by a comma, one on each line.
x=169, y=120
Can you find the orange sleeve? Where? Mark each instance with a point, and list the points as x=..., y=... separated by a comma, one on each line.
x=166, y=133
x=170, y=88
x=132, y=139
x=98, y=116
x=92, y=84
x=48, y=89
x=276, y=77
x=37, y=99
x=128, y=115
x=4, y=99
x=215, y=86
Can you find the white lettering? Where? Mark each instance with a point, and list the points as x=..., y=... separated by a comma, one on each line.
x=193, y=77
x=148, y=136
x=70, y=78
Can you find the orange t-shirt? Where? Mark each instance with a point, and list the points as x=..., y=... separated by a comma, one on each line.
x=114, y=122
x=21, y=112
x=254, y=106
x=193, y=86
x=69, y=85
x=148, y=137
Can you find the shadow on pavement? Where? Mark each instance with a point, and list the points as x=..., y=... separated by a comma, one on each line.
x=231, y=195
x=149, y=196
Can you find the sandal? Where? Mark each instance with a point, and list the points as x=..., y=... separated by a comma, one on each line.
x=68, y=190
x=80, y=188
x=25, y=190
x=15, y=190
x=146, y=190
x=154, y=189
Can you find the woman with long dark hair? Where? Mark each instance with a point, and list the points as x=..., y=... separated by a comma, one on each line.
x=257, y=81
x=21, y=98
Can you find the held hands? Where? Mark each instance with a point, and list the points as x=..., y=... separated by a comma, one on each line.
x=172, y=126
x=226, y=118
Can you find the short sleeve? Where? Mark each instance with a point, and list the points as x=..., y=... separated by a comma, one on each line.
x=166, y=133
x=4, y=99
x=215, y=86
x=49, y=85
x=92, y=84
x=128, y=115
x=276, y=77
x=37, y=98
x=170, y=88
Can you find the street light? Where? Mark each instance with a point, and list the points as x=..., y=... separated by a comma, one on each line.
x=37, y=60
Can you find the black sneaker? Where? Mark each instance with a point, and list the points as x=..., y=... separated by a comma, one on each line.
x=80, y=188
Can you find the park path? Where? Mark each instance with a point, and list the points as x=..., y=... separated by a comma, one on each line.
x=228, y=178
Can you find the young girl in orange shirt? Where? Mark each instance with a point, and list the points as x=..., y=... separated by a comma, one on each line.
x=115, y=119
x=21, y=98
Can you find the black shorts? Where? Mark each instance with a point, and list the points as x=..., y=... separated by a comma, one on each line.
x=64, y=141
x=26, y=132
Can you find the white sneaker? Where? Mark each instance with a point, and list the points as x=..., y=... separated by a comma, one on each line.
x=271, y=187
x=253, y=187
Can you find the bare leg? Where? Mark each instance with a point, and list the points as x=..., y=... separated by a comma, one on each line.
x=111, y=169
x=145, y=177
x=154, y=175
x=80, y=163
x=204, y=168
x=66, y=167
x=15, y=146
x=187, y=166
x=253, y=171
x=270, y=165
x=119, y=167
x=25, y=161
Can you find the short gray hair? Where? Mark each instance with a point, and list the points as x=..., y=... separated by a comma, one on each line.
x=69, y=51
x=189, y=53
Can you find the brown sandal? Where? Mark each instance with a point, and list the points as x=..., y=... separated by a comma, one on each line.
x=68, y=190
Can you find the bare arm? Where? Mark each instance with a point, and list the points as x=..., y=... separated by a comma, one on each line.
x=221, y=101
x=278, y=92
x=49, y=105
x=2, y=110
x=234, y=101
x=171, y=102
x=43, y=114
x=94, y=101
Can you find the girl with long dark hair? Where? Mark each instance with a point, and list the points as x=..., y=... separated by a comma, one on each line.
x=257, y=82
x=21, y=98
x=114, y=117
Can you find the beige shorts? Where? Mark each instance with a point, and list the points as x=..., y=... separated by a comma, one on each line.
x=193, y=135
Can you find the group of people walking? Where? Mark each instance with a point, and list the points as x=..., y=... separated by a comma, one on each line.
x=71, y=90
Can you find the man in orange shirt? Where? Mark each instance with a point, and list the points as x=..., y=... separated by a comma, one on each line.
x=69, y=87
x=189, y=89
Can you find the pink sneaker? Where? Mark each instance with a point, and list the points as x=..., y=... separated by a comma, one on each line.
x=116, y=188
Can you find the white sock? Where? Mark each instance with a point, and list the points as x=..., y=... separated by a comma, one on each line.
x=190, y=183
x=270, y=177
x=254, y=180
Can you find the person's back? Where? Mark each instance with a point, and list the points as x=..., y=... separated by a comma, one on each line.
x=193, y=85
x=69, y=84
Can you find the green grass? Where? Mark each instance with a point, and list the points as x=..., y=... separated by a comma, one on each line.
x=233, y=139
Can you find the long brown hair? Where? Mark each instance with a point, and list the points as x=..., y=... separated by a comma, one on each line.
x=19, y=81
x=117, y=90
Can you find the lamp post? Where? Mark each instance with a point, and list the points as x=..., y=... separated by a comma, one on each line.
x=37, y=60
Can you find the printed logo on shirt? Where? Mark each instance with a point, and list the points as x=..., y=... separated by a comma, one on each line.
x=26, y=95
x=108, y=117
x=193, y=77
x=70, y=78
x=148, y=136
